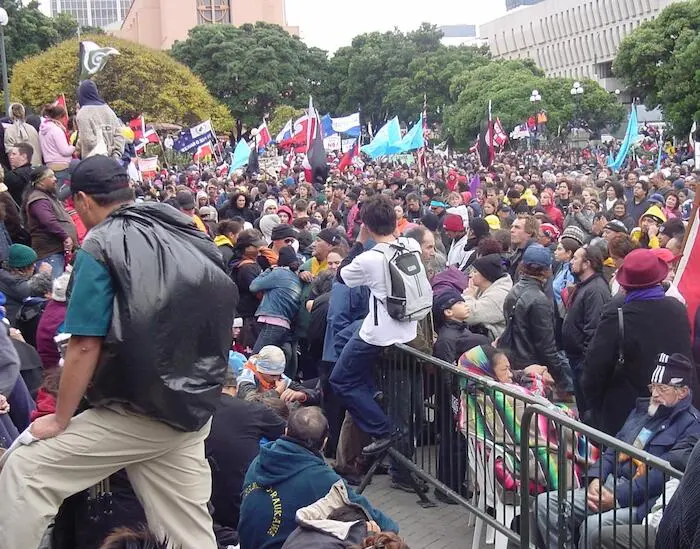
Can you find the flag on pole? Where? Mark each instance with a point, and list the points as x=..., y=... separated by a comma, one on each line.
x=286, y=132
x=687, y=277
x=661, y=150
x=93, y=59
x=414, y=138
x=313, y=121
x=630, y=137
x=203, y=153
x=485, y=147
x=316, y=163
x=298, y=138
x=262, y=137
x=500, y=137
x=386, y=140
x=143, y=134
x=240, y=156
x=691, y=139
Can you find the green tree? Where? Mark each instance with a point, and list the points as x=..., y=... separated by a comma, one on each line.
x=253, y=68
x=508, y=85
x=139, y=80
x=659, y=60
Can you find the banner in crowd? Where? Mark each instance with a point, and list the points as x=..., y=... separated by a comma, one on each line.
x=191, y=138
x=332, y=143
x=240, y=156
x=347, y=125
x=386, y=141
x=148, y=166
x=687, y=277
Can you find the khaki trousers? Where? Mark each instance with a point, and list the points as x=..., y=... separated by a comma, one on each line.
x=166, y=467
x=352, y=440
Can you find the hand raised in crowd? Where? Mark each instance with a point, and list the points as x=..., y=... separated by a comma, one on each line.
x=4, y=405
x=306, y=276
x=280, y=386
x=653, y=230
x=16, y=335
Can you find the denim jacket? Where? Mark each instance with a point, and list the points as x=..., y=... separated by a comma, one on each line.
x=282, y=293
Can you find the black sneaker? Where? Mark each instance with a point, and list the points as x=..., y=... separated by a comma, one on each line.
x=405, y=486
x=381, y=444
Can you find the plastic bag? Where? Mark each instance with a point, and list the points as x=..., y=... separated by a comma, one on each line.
x=166, y=352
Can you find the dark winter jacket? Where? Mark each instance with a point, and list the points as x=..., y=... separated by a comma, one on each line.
x=455, y=338
x=16, y=290
x=680, y=523
x=650, y=327
x=529, y=333
x=285, y=477
x=18, y=181
x=585, y=307
x=668, y=427
x=243, y=272
x=237, y=429
x=515, y=260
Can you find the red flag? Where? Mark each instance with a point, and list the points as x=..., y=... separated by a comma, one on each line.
x=203, y=152
x=303, y=127
x=687, y=277
x=263, y=137
x=138, y=126
x=61, y=102
x=500, y=137
x=346, y=161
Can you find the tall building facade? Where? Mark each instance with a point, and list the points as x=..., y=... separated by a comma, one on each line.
x=570, y=38
x=96, y=13
x=156, y=24
x=512, y=4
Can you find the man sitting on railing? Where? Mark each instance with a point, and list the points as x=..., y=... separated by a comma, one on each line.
x=623, y=489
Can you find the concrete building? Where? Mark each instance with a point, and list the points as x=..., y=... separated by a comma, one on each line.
x=570, y=38
x=460, y=35
x=512, y=4
x=95, y=13
x=159, y=23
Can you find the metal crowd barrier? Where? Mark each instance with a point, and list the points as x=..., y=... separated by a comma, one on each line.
x=494, y=449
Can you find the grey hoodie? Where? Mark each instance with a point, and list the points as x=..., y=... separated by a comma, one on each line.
x=315, y=531
x=9, y=362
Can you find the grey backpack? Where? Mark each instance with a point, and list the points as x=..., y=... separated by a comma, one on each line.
x=409, y=294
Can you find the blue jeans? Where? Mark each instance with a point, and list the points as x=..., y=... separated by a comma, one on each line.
x=577, y=375
x=21, y=404
x=352, y=379
x=57, y=262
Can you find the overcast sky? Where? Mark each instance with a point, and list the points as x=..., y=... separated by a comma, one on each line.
x=332, y=24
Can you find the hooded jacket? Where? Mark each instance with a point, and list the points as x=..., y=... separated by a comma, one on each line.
x=585, y=309
x=16, y=290
x=99, y=129
x=54, y=145
x=285, y=477
x=487, y=306
x=316, y=531
x=638, y=236
x=21, y=132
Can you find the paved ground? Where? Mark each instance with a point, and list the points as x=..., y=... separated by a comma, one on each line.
x=434, y=528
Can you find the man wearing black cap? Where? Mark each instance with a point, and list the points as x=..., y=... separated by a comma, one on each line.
x=149, y=350
x=623, y=491
x=614, y=228
x=325, y=241
x=282, y=235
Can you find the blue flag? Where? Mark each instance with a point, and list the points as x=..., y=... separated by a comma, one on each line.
x=240, y=156
x=414, y=137
x=386, y=141
x=630, y=137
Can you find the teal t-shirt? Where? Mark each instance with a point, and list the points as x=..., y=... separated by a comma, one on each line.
x=89, y=311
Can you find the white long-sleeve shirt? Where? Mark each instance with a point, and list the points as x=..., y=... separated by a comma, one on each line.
x=370, y=269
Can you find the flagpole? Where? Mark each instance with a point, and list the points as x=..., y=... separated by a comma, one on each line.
x=492, y=153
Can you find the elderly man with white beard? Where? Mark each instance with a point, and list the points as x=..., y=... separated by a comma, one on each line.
x=620, y=489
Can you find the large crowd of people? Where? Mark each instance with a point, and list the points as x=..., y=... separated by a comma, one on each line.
x=197, y=351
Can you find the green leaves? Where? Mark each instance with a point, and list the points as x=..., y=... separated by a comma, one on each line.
x=254, y=68
x=659, y=62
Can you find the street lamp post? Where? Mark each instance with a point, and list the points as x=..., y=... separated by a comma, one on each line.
x=535, y=98
x=4, y=19
x=577, y=93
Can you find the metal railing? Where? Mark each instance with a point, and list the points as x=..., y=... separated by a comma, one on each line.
x=510, y=458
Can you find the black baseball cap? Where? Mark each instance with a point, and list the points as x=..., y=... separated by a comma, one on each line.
x=98, y=175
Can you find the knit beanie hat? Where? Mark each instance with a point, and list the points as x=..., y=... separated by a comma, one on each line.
x=20, y=256
x=490, y=267
x=675, y=370
x=575, y=233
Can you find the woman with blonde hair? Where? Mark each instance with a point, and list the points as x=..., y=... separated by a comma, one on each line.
x=22, y=132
